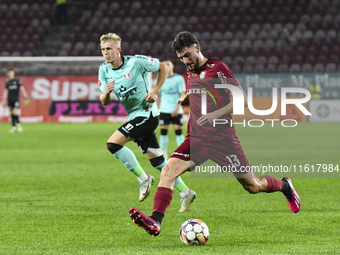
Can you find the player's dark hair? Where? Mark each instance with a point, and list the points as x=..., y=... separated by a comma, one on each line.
x=9, y=69
x=183, y=40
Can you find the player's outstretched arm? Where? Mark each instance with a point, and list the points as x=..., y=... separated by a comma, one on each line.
x=184, y=100
x=152, y=96
x=175, y=112
x=105, y=97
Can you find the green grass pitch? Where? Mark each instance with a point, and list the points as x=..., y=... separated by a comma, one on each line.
x=61, y=192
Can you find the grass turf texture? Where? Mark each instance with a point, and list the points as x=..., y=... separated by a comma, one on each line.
x=61, y=192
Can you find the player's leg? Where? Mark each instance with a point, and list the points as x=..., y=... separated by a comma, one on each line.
x=163, y=196
x=164, y=121
x=150, y=147
x=164, y=140
x=171, y=171
x=177, y=121
x=187, y=195
x=13, y=121
x=230, y=153
x=179, y=135
x=254, y=185
x=115, y=145
x=180, y=161
x=146, y=140
x=266, y=184
x=16, y=116
x=269, y=184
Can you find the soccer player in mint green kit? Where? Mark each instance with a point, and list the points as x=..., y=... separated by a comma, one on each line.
x=127, y=77
x=170, y=111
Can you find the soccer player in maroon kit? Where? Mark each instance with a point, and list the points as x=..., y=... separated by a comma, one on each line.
x=219, y=143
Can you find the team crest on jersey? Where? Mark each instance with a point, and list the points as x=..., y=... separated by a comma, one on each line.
x=127, y=75
x=210, y=65
x=174, y=83
x=202, y=75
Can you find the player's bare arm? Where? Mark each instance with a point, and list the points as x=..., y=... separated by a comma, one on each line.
x=24, y=93
x=4, y=97
x=175, y=112
x=158, y=101
x=162, y=75
x=209, y=117
x=105, y=97
x=184, y=100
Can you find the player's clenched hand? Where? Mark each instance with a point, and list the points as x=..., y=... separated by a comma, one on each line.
x=109, y=87
x=184, y=100
x=174, y=113
x=151, y=97
x=206, y=119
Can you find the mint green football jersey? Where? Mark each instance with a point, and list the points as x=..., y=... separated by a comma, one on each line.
x=131, y=84
x=170, y=93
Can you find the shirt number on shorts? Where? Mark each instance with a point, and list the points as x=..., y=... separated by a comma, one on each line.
x=128, y=127
x=233, y=160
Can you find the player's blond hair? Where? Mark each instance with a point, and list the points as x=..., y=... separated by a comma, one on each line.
x=111, y=37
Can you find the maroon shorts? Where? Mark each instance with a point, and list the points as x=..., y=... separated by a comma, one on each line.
x=227, y=153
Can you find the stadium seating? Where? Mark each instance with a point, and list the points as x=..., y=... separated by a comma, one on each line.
x=23, y=25
x=248, y=35
x=262, y=36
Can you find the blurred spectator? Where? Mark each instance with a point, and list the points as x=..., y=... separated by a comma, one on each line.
x=62, y=12
x=287, y=41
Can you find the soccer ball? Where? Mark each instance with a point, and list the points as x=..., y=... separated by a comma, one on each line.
x=194, y=231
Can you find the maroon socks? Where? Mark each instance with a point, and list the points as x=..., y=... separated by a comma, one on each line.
x=273, y=184
x=161, y=202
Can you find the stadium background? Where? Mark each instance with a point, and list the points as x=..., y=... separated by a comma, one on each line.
x=258, y=39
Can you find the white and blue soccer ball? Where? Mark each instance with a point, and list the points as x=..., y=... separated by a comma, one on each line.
x=194, y=231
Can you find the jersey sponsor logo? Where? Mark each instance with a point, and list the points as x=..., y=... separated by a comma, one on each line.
x=13, y=87
x=127, y=76
x=222, y=77
x=152, y=61
x=181, y=154
x=196, y=91
x=123, y=93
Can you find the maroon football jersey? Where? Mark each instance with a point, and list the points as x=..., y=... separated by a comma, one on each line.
x=202, y=81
